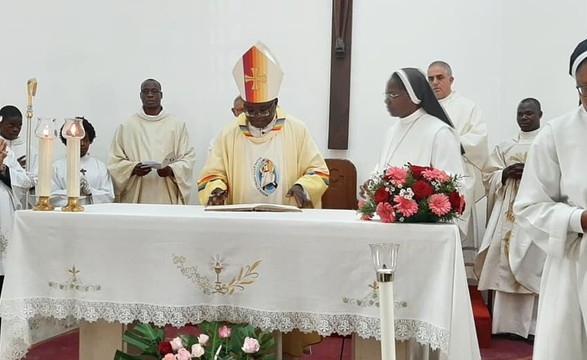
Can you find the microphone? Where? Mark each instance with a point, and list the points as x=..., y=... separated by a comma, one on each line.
x=31, y=90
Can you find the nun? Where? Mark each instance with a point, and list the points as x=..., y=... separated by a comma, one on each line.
x=424, y=134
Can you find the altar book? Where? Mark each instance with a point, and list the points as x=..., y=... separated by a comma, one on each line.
x=253, y=207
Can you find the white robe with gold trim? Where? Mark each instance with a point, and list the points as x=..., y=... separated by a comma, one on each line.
x=152, y=138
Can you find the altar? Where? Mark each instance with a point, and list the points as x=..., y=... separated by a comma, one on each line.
x=312, y=271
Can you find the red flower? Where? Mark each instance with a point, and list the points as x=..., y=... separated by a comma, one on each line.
x=422, y=190
x=164, y=348
x=457, y=202
x=417, y=171
x=381, y=195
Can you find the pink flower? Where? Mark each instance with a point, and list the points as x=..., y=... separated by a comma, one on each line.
x=250, y=346
x=169, y=357
x=435, y=174
x=183, y=354
x=362, y=203
x=439, y=204
x=407, y=207
x=385, y=212
x=197, y=350
x=396, y=175
x=203, y=339
x=224, y=332
x=176, y=344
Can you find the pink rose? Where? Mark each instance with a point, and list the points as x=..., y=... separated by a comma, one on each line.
x=385, y=212
x=183, y=354
x=176, y=344
x=250, y=346
x=197, y=350
x=224, y=332
x=203, y=339
x=169, y=357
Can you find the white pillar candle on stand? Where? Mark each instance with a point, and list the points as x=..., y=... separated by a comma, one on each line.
x=384, y=261
x=45, y=164
x=387, y=316
x=73, y=166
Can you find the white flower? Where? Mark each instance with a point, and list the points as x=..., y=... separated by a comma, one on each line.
x=197, y=350
x=203, y=339
x=251, y=345
x=176, y=344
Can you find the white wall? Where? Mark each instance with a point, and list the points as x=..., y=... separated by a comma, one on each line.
x=90, y=58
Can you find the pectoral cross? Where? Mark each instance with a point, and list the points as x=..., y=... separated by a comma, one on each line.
x=83, y=171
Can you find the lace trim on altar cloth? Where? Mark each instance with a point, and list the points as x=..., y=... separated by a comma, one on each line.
x=19, y=317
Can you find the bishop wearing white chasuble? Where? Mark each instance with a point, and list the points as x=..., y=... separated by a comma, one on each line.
x=508, y=261
x=551, y=205
x=151, y=159
x=266, y=155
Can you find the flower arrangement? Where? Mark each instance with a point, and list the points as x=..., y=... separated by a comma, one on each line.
x=412, y=194
x=217, y=341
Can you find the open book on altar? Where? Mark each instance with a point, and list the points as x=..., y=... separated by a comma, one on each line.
x=254, y=207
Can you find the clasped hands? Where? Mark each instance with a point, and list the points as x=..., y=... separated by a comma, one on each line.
x=142, y=170
x=218, y=197
x=513, y=171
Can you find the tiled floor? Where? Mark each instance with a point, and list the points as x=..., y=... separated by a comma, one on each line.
x=66, y=347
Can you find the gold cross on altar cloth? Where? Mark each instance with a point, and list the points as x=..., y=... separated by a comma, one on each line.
x=255, y=78
x=74, y=272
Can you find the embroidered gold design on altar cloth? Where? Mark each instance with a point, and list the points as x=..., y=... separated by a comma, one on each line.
x=74, y=283
x=246, y=276
x=372, y=299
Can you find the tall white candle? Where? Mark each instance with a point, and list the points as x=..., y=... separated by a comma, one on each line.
x=387, y=317
x=45, y=164
x=73, y=166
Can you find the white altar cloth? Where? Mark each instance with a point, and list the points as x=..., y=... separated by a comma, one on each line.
x=279, y=271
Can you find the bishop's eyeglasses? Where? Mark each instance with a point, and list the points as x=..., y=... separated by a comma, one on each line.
x=582, y=89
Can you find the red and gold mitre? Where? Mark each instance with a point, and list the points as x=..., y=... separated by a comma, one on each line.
x=258, y=75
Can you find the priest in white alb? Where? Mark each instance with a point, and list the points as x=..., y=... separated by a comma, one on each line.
x=151, y=158
x=552, y=206
x=508, y=262
x=265, y=156
x=472, y=131
x=95, y=182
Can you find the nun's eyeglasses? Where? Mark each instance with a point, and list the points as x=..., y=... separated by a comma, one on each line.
x=393, y=96
x=582, y=89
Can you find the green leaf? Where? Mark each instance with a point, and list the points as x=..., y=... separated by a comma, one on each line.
x=124, y=356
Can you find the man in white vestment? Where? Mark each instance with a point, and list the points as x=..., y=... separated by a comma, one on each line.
x=10, y=127
x=13, y=180
x=472, y=131
x=265, y=156
x=506, y=247
x=424, y=136
x=95, y=182
x=151, y=159
x=551, y=205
